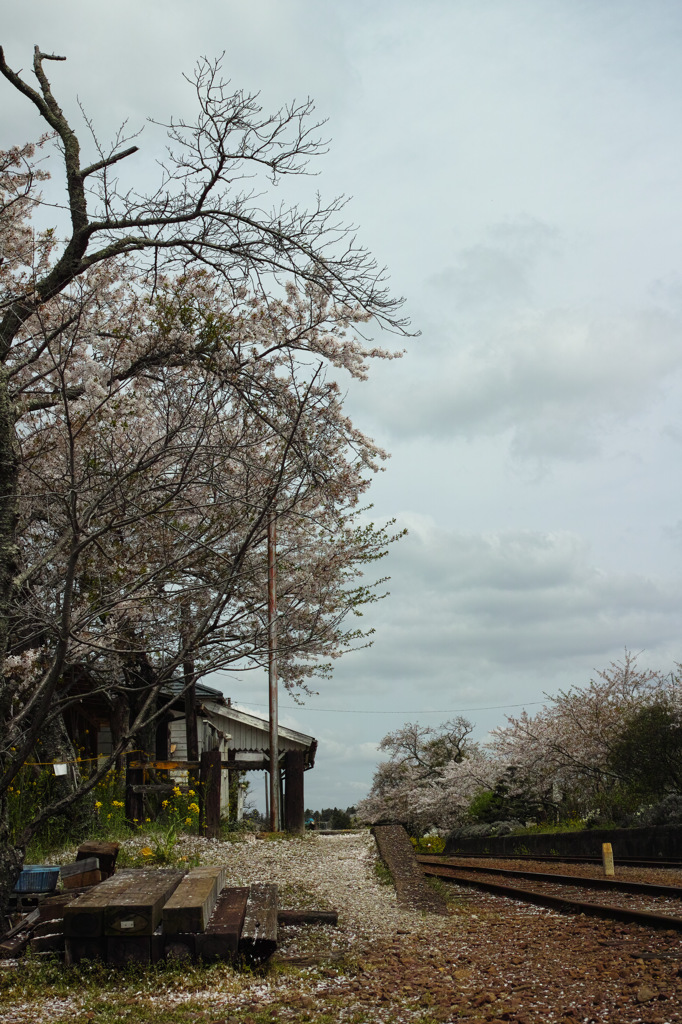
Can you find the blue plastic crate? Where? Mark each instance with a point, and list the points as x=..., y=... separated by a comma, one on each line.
x=37, y=878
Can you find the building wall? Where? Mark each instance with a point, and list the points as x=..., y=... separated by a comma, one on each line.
x=217, y=731
x=207, y=741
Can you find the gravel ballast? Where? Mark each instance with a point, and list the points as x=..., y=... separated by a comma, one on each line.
x=490, y=960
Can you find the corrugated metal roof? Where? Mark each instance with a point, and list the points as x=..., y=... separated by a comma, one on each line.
x=255, y=722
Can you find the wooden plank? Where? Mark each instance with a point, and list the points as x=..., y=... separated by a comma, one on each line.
x=84, y=881
x=220, y=941
x=106, y=853
x=170, y=766
x=81, y=874
x=52, y=943
x=167, y=766
x=55, y=924
x=11, y=948
x=154, y=787
x=25, y=922
x=77, y=867
x=53, y=907
x=136, y=910
x=298, y=917
x=258, y=939
x=191, y=905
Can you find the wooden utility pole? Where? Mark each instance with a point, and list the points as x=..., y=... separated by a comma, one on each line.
x=272, y=673
x=189, y=685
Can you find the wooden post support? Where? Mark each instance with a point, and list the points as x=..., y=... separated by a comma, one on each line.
x=209, y=778
x=607, y=859
x=294, y=807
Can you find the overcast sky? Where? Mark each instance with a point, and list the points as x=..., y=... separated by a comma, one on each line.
x=516, y=163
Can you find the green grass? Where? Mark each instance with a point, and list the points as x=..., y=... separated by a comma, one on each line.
x=134, y=994
x=382, y=873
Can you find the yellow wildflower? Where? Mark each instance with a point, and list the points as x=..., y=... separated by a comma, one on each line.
x=190, y=792
x=147, y=851
x=98, y=804
x=188, y=821
x=176, y=791
x=193, y=809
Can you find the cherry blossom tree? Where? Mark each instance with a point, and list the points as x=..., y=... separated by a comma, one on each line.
x=144, y=499
x=597, y=748
x=161, y=393
x=568, y=746
x=431, y=777
x=202, y=213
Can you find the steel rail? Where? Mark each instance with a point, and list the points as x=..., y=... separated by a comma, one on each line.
x=574, y=858
x=562, y=903
x=642, y=888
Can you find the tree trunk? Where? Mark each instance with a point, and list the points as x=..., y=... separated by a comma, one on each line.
x=9, y=469
x=11, y=857
x=11, y=863
x=120, y=721
x=56, y=746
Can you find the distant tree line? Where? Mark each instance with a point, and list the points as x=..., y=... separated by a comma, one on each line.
x=609, y=753
x=333, y=815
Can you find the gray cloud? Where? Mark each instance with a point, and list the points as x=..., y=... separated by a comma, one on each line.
x=518, y=167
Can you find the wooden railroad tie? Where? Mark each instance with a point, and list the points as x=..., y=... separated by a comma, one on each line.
x=191, y=905
x=106, y=854
x=221, y=939
x=140, y=915
x=259, y=931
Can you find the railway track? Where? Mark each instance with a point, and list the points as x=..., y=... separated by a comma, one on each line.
x=657, y=906
x=629, y=862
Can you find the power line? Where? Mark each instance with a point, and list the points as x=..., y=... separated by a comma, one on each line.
x=357, y=711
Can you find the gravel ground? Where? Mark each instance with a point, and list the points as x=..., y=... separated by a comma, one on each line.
x=490, y=960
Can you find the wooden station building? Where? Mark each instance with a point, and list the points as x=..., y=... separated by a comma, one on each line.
x=241, y=737
x=244, y=742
